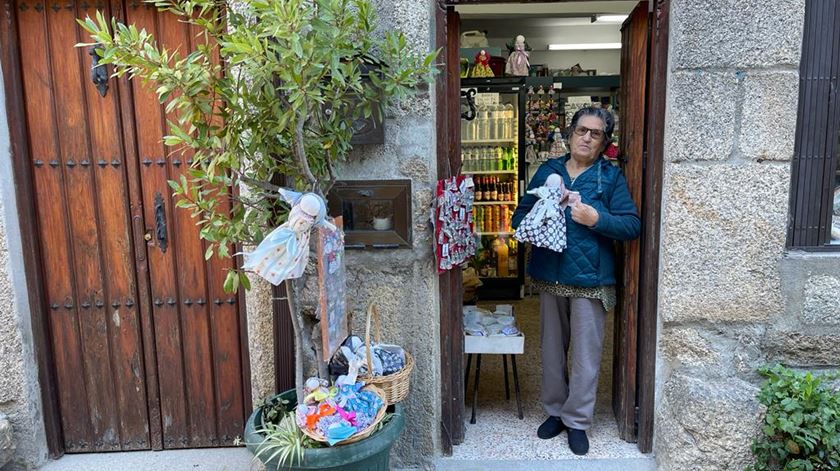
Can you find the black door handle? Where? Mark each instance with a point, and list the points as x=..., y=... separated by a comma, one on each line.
x=99, y=72
x=160, y=221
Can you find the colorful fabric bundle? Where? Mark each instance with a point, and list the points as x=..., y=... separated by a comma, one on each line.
x=337, y=412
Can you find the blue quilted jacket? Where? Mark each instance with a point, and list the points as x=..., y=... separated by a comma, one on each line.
x=589, y=258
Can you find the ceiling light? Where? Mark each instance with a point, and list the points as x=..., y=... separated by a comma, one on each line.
x=583, y=46
x=609, y=18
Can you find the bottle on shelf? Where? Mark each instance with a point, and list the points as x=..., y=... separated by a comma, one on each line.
x=494, y=191
x=483, y=123
x=512, y=250
x=492, y=116
x=509, y=121
x=479, y=189
x=500, y=250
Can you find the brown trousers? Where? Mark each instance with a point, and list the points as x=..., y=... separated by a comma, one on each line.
x=571, y=396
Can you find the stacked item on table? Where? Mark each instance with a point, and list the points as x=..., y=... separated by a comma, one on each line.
x=484, y=323
x=334, y=414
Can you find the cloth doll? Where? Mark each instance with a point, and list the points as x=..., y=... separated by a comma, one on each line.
x=558, y=148
x=482, y=65
x=517, y=63
x=285, y=250
x=545, y=225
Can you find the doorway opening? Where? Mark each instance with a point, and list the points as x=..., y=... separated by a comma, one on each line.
x=606, y=54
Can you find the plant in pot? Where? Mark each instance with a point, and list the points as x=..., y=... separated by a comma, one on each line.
x=268, y=96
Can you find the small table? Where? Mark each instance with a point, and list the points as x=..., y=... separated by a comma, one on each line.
x=495, y=345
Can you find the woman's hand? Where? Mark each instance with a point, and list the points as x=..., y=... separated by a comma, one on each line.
x=584, y=214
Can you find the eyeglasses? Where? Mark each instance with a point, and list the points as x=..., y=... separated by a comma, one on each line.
x=596, y=134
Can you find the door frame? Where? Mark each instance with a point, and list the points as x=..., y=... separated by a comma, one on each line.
x=448, y=159
x=27, y=217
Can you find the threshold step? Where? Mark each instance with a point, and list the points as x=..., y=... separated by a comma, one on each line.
x=572, y=464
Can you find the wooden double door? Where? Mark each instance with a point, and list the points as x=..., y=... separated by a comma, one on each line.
x=145, y=347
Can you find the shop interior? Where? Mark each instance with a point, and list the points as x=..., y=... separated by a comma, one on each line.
x=574, y=55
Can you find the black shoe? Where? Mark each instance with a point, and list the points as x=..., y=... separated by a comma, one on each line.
x=578, y=442
x=551, y=428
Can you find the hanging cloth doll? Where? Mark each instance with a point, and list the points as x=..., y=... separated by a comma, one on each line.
x=545, y=225
x=285, y=250
x=517, y=62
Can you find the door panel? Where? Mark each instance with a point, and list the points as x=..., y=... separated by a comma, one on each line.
x=87, y=263
x=634, y=76
x=196, y=324
x=148, y=350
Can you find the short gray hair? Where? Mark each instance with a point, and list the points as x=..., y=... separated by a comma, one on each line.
x=602, y=114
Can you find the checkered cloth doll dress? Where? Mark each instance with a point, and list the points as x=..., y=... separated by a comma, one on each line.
x=545, y=225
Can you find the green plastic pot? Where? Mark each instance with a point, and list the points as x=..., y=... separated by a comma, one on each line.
x=371, y=454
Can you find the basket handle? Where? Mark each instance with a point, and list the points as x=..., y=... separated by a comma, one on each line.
x=372, y=312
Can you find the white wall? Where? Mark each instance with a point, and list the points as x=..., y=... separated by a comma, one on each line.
x=606, y=62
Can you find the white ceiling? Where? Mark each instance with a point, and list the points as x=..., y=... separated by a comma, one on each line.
x=557, y=9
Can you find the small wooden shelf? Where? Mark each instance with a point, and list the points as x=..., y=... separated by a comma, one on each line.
x=489, y=141
x=489, y=172
x=490, y=203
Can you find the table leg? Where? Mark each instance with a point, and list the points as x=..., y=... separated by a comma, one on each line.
x=467, y=374
x=475, y=388
x=516, y=386
x=507, y=387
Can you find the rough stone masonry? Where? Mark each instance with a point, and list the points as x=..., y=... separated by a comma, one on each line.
x=732, y=298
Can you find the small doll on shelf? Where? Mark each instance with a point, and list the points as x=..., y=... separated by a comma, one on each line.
x=545, y=225
x=517, y=63
x=482, y=65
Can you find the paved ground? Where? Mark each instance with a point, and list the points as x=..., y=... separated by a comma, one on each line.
x=213, y=459
x=497, y=442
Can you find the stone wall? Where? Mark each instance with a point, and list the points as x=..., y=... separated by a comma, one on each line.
x=731, y=297
x=20, y=396
x=403, y=282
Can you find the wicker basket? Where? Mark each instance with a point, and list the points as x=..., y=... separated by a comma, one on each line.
x=361, y=435
x=396, y=385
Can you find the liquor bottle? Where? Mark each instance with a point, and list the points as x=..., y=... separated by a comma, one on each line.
x=512, y=252
x=494, y=192
x=500, y=248
x=479, y=189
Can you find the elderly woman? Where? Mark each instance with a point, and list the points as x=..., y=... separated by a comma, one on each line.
x=577, y=286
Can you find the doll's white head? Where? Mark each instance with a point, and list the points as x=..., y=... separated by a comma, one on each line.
x=554, y=180
x=520, y=40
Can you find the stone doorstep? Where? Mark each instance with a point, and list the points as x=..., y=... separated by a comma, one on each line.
x=206, y=459
x=578, y=464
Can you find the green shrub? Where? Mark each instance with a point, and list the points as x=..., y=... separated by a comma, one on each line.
x=801, y=429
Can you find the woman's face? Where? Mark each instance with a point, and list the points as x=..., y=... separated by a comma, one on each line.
x=583, y=145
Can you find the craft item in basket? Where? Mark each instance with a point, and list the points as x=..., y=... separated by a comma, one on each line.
x=285, y=250
x=394, y=386
x=453, y=222
x=386, y=359
x=337, y=414
x=545, y=225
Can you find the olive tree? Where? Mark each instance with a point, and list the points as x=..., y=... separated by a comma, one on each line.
x=269, y=94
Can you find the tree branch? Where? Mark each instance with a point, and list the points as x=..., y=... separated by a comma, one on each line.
x=300, y=154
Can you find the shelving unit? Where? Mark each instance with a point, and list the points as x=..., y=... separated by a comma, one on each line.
x=485, y=142
x=489, y=203
x=489, y=172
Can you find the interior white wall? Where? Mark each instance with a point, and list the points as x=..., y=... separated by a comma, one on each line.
x=606, y=62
